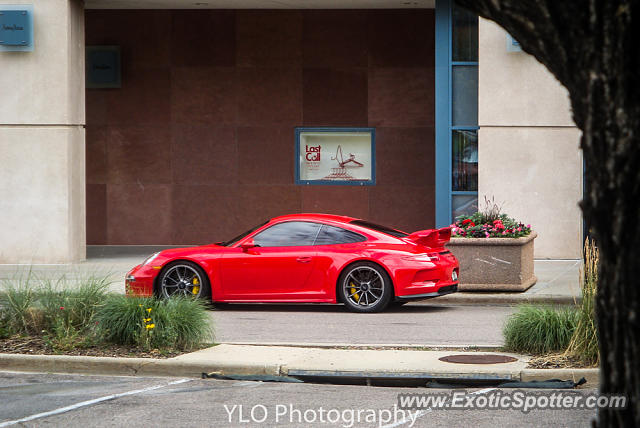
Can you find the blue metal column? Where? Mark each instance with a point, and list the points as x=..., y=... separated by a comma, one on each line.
x=443, y=113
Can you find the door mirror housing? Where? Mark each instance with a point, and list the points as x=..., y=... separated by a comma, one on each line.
x=248, y=244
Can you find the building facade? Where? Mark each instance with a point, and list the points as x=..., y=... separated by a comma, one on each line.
x=197, y=136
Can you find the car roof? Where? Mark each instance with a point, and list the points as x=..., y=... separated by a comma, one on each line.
x=316, y=217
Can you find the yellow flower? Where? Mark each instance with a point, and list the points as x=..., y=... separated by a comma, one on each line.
x=147, y=319
x=140, y=305
x=149, y=310
x=150, y=326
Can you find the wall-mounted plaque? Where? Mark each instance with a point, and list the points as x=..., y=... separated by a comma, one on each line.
x=16, y=28
x=335, y=156
x=103, y=67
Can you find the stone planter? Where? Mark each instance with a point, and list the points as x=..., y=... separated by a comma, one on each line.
x=494, y=264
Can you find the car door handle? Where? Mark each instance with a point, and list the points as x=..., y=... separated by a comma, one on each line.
x=303, y=259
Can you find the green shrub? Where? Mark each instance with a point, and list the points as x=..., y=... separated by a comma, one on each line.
x=584, y=342
x=177, y=323
x=540, y=329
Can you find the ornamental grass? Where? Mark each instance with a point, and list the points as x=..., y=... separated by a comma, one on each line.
x=61, y=311
x=584, y=342
x=537, y=329
x=79, y=313
x=181, y=323
x=29, y=305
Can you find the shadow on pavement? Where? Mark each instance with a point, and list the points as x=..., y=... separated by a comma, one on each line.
x=320, y=308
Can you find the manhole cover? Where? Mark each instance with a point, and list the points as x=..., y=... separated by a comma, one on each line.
x=478, y=359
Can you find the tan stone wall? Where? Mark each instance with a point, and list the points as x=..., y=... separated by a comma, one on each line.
x=529, y=156
x=42, y=178
x=42, y=194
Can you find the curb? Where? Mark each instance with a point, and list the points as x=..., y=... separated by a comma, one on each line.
x=171, y=368
x=479, y=298
x=126, y=366
x=591, y=375
x=375, y=346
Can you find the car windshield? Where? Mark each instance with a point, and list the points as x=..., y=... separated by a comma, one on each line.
x=242, y=235
x=378, y=228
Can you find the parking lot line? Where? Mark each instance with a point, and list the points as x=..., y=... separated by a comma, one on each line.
x=89, y=403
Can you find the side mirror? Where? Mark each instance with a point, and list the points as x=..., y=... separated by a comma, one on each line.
x=248, y=244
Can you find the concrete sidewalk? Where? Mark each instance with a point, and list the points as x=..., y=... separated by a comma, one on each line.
x=305, y=362
x=558, y=283
x=558, y=280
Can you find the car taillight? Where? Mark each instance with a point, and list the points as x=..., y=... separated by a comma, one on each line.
x=429, y=257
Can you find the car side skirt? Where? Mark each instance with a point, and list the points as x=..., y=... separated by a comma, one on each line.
x=448, y=289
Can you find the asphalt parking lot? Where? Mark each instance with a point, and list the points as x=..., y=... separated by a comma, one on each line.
x=420, y=323
x=107, y=401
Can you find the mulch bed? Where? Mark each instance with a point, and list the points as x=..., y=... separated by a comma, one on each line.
x=557, y=361
x=37, y=346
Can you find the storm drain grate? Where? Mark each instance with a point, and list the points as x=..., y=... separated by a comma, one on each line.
x=478, y=359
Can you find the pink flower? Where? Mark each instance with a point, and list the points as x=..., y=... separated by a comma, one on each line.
x=62, y=308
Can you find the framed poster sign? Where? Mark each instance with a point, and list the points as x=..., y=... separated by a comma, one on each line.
x=335, y=156
x=102, y=67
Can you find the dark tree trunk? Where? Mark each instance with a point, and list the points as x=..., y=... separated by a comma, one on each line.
x=593, y=48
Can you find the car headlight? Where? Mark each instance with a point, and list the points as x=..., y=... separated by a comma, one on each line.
x=150, y=258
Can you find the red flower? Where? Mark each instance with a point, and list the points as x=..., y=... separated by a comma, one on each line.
x=62, y=308
x=468, y=222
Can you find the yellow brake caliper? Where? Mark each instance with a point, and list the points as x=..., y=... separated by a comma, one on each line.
x=196, y=285
x=353, y=290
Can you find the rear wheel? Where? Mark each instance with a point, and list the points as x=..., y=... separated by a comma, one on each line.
x=365, y=287
x=183, y=278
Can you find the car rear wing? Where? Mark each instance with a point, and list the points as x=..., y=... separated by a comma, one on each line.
x=433, y=238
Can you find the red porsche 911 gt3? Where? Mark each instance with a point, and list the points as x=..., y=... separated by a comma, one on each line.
x=306, y=258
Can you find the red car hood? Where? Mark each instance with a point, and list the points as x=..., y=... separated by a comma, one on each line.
x=190, y=251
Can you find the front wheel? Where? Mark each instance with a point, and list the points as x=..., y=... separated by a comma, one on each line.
x=183, y=278
x=365, y=287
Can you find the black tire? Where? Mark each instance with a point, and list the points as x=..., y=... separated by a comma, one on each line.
x=365, y=287
x=181, y=278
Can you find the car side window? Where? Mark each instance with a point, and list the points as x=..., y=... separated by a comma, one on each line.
x=288, y=234
x=331, y=235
